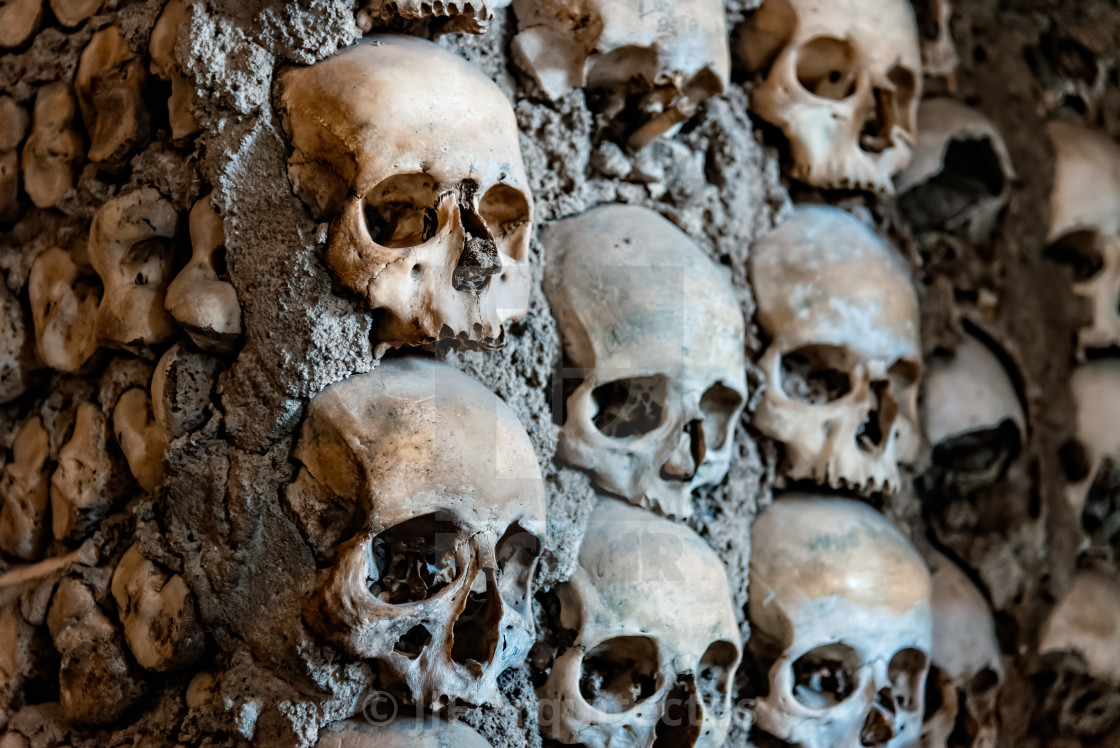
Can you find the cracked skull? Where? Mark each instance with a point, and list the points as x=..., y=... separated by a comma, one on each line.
x=649, y=65
x=431, y=485
x=655, y=333
x=967, y=669
x=1085, y=225
x=413, y=156
x=841, y=623
x=843, y=82
x=844, y=360
x=642, y=664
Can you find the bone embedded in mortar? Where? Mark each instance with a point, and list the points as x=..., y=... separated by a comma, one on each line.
x=180, y=105
x=472, y=16
x=13, y=127
x=64, y=302
x=842, y=626
x=17, y=347
x=656, y=638
x=53, y=151
x=110, y=86
x=648, y=65
x=1085, y=225
x=19, y=20
x=422, y=490
x=71, y=13
x=25, y=493
x=843, y=83
x=83, y=484
x=843, y=363
x=653, y=337
x=403, y=732
x=432, y=232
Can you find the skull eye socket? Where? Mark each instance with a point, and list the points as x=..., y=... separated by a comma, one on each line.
x=401, y=211
x=971, y=171
x=906, y=672
x=826, y=676
x=816, y=374
x=1081, y=251
x=620, y=673
x=630, y=407
x=505, y=210
x=416, y=560
x=713, y=681
x=718, y=405
x=828, y=67
x=517, y=553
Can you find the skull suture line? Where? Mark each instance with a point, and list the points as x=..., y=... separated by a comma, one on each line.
x=657, y=332
x=444, y=497
x=843, y=82
x=413, y=156
x=844, y=360
x=644, y=664
x=840, y=610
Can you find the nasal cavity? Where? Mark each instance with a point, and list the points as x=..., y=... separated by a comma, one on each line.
x=474, y=637
x=682, y=719
x=686, y=459
x=878, y=728
x=478, y=263
x=872, y=435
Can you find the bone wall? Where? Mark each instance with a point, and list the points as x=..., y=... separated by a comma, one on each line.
x=151, y=453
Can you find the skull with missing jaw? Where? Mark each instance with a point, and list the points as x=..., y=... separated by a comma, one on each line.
x=422, y=489
x=423, y=184
x=656, y=333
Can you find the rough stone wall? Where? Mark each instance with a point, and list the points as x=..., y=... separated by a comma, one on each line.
x=219, y=521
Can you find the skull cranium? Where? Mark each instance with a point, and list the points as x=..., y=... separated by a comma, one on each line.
x=439, y=504
x=413, y=155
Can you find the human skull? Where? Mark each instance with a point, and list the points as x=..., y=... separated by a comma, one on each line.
x=1087, y=622
x=64, y=305
x=972, y=413
x=939, y=53
x=472, y=16
x=402, y=732
x=841, y=622
x=843, y=82
x=844, y=360
x=128, y=249
x=201, y=298
x=961, y=174
x=1085, y=225
x=1092, y=460
x=53, y=151
x=651, y=64
x=165, y=66
x=642, y=663
x=966, y=672
x=97, y=681
x=110, y=86
x=25, y=493
x=157, y=612
x=653, y=329
x=413, y=156
x=431, y=485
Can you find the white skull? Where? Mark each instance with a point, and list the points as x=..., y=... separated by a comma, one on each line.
x=157, y=613
x=967, y=666
x=841, y=620
x=653, y=63
x=201, y=298
x=1087, y=622
x=470, y=16
x=843, y=82
x=401, y=732
x=53, y=151
x=25, y=493
x=971, y=411
x=129, y=251
x=413, y=156
x=64, y=304
x=1095, y=463
x=655, y=333
x=643, y=662
x=961, y=174
x=844, y=360
x=431, y=485
x=1085, y=224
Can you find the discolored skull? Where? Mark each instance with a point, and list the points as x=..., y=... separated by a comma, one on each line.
x=972, y=413
x=469, y=16
x=844, y=360
x=1085, y=225
x=643, y=663
x=413, y=156
x=653, y=329
x=649, y=65
x=1092, y=458
x=402, y=732
x=841, y=622
x=1087, y=622
x=431, y=485
x=967, y=668
x=843, y=82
